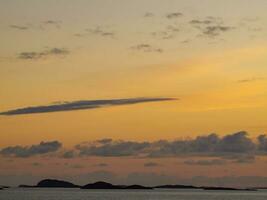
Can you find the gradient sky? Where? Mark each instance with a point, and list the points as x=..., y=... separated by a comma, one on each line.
x=210, y=58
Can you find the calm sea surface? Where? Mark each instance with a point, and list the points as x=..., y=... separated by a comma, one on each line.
x=77, y=194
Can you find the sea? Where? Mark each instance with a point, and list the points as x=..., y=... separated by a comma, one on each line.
x=158, y=194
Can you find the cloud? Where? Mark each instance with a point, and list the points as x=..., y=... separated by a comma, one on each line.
x=149, y=14
x=262, y=139
x=151, y=164
x=201, y=22
x=169, y=32
x=211, y=26
x=114, y=149
x=205, y=162
x=146, y=48
x=28, y=151
x=68, y=154
x=32, y=55
x=231, y=148
x=105, y=141
x=216, y=30
x=19, y=27
x=251, y=80
x=209, y=145
x=100, y=31
x=55, y=23
x=235, y=147
x=174, y=15
x=82, y=104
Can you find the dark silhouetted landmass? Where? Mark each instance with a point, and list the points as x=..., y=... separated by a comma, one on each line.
x=176, y=187
x=137, y=187
x=100, y=185
x=227, y=188
x=104, y=185
x=56, y=183
x=52, y=183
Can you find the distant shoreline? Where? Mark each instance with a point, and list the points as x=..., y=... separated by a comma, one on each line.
x=53, y=183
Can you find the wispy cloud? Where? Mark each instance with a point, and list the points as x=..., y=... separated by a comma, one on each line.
x=147, y=48
x=18, y=27
x=216, y=30
x=81, y=105
x=34, y=55
x=169, y=32
x=55, y=23
x=251, y=79
x=149, y=14
x=97, y=31
x=211, y=26
x=43, y=25
x=174, y=15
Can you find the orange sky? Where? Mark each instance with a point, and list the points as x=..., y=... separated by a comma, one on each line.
x=209, y=57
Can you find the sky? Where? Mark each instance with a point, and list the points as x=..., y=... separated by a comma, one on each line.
x=143, y=91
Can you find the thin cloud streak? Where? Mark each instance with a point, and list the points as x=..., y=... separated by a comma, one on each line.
x=81, y=105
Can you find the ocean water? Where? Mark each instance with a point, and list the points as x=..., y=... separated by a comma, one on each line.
x=77, y=194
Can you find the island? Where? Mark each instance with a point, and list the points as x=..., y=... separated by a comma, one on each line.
x=101, y=185
x=52, y=183
x=176, y=187
x=104, y=185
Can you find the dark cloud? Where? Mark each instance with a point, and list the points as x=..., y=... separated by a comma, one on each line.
x=205, y=162
x=27, y=151
x=211, y=145
x=236, y=143
x=146, y=48
x=230, y=147
x=211, y=26
x=174, y=15
x=151, y=164
x=216, y=30
x=19, y=27
x=80, y=105
x=262, y=139
x=114, y=149
x=32, y=55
